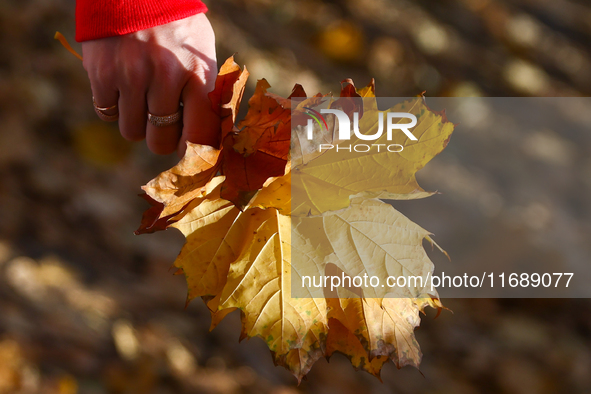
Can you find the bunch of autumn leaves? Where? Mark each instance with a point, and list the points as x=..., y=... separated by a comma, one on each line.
x=233, y=204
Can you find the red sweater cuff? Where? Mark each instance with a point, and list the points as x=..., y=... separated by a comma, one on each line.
x=107, y=18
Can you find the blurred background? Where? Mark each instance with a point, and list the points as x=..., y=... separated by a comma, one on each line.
x=87, y=307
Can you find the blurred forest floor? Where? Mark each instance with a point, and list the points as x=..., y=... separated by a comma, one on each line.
x=86, y=306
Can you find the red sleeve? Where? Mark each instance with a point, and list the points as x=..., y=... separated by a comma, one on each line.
x=107, y=18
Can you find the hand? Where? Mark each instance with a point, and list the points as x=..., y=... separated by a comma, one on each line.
x=155, y=70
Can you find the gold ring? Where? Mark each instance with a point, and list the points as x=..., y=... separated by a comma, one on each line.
x=165, y=120
x=100, y=111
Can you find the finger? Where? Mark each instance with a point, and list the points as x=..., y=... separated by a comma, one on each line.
x=105, y=95
x=163, y=100
x=133, y=113
x=200, y=124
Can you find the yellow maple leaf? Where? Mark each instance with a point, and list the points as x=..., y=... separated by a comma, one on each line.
x=245, y=259
x=185, y=181
x=331, y=179
x=209, y=244
x=341, y=340
x=371, y=237
x=259, y=284
x=251, y=243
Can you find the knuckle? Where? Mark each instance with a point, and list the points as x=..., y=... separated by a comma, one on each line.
x=132, y=71
x=201, y=72
x=168, y=69
x=134, y=74
x=103, y=73
x=204, y=70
